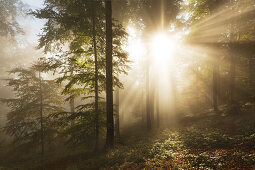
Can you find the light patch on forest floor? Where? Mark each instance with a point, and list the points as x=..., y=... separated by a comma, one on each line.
x=192, y=146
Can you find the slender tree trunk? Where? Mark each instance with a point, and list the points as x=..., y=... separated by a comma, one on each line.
x=219, y=95
x=148, y=97
x=234, y=36
x=232, y=88
x=232, y=80
x=173, y=82
x=152, y=102
x=157, y=106
x=41, y=114
x=215, y=86
x=72, y=104
x=109, y=78
x=96, y=82
x=72, y=96
x=142, y=106
x=250, y=72
x=117, y=114
x=251, y=77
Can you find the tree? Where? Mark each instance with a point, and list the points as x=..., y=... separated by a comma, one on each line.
x=9, y=28
x=199, y=10
x=85, y=57
x=109, y=83
x=117, y=103
x=36, y=99
x=96, y=75
x=215, y=85
x=234, y=36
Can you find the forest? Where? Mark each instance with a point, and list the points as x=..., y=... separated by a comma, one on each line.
x=127, y=84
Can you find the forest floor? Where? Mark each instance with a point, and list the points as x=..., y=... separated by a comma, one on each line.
x=211, y=141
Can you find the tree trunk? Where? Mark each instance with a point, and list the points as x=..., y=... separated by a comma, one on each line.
x=117, y=114
x=96, y=82
x=72, y=104
x=152, y=102
x=232, y=81
x=109, y=78
x=219, y=95
x=251, y=78
x=215, y=86
x=41, y=114
x=232, y=88
x=173, y=82
x=157, y=106
x=142, y=106
x=148, y=97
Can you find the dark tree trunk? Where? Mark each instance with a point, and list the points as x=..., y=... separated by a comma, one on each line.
x=251, y=78
x=109, y=78
x=72, y=104
x=232, y=81
x=232, y=75
x=117, y=114
x=96, y=82
x=215, y=86
x=41, y=114
x=219, y=95
x=197, y=95
x=232, y=89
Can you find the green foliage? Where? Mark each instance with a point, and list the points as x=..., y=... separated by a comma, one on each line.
x=72, y=167
x=202, y=8
x=165, y=150
x=71, y=29
x=24, y=118
x=188, y=147
x=78, y=128
x=207, y=139
x=204, y=161
x=149, y=11
x=71, y=25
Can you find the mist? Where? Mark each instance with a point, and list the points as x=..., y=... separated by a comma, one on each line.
x=127, y=84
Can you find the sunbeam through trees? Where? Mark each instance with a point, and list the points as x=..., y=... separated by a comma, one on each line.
x=127, y=84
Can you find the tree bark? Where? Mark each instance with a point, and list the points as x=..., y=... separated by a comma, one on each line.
x=41, y=114
x=232, y=81
x=251, y=78
x=232, y=88
x=96, y=82
x=117, y=114
x=157, y=106
x=72, y=104
x=215, y=86
x=152, y=102
x=109, y=78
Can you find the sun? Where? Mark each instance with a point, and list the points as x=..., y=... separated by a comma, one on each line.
x=159, y=50
x=163, y=47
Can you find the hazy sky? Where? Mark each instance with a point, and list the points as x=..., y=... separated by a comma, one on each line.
x=24, y=55
x=31, y=25
x=34, y=3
